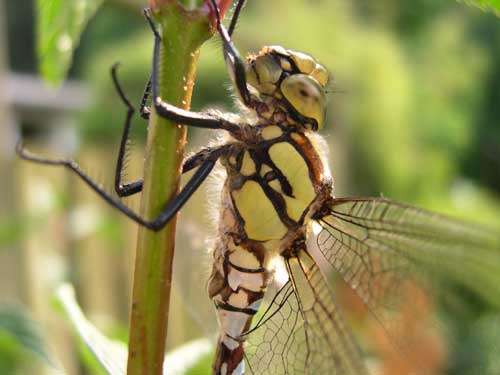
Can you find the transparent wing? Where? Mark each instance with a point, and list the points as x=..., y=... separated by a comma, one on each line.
x=377, y=245
x=302, y=331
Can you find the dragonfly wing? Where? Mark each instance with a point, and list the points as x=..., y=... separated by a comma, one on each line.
x=302, y=331
x=376, y=245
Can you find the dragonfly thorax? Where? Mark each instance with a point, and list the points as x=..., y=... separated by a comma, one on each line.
x=287, y=87
x=271, y=185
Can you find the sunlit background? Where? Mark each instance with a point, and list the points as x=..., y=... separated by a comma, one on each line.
x=414, y=115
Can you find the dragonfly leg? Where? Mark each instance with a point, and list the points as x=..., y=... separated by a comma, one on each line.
x=176, y=114
x=129, y=188
x=205, y=161
x=234, y=62
x=236, y=14
x=144, y=109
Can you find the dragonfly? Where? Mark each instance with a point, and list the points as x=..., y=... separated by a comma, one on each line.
x=277, y=211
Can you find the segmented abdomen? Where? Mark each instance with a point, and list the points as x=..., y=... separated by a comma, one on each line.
x=237, y=292
x=265, y=199
x=237, y=285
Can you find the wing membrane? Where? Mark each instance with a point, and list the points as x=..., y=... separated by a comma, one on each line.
x=302, y=332
x=377, y=245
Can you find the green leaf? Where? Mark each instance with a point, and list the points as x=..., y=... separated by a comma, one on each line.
x=17, y=329
x=112, y=354
x=60, y=24
x=493, y=5
x=203, y=366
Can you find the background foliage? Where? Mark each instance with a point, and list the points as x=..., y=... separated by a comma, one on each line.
x=60, y=24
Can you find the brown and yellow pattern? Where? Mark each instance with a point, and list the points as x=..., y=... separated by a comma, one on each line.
x=266, y=199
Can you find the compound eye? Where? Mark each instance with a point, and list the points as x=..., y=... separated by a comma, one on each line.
x=306, y=96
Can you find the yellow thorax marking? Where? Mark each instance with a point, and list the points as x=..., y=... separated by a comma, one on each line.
x=261, y=219
x=232, y=160
x=271, y=132
x=294, y=168
x=264, y=169
x=248, y=165
x=275, y=184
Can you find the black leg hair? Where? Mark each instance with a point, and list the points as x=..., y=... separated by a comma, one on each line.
x=205, y=159
x=144, y=109
x=199, y=158
x=124, y=189
x=233, y=59
x=176, y=114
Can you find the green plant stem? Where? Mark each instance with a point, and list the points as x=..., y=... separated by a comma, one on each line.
x=182, y=34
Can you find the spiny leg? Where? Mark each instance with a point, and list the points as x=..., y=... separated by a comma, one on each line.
x=205, y=162
x=144, y=109
x=236, y=14
x=124, y=190
x=176, y=114
x=130, y=188
x=234, y=62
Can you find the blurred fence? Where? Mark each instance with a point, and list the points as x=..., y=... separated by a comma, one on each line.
x=35, y=238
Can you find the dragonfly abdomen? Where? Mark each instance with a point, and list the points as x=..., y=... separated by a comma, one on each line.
x=237, y=286
x=265, y=201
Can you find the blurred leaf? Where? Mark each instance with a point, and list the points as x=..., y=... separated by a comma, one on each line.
x=11, y=231
x=486, y=333
x=11, y=353
x=189, y=357
x=478, y=353
x=89, y=361
x=112, y=354
x=493, y=5
x=203, y=366
x=100, y=124
x=17, y=329
x=60, y=24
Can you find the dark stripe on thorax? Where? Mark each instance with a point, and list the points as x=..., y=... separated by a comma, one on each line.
x=310, y=156
x=260, y=156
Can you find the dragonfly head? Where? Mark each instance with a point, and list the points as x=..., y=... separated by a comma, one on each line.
x=288, y=84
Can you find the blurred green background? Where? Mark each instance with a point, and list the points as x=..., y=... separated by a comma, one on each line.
x=414, y=115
